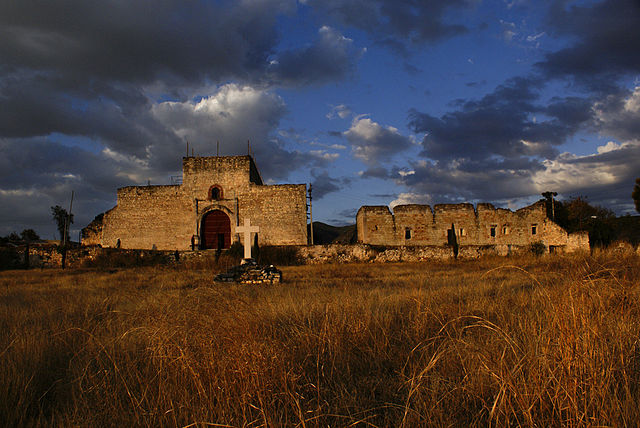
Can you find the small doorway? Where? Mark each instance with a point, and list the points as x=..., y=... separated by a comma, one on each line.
x=215, y=231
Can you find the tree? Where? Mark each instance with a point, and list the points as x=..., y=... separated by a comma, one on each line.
x=29, y=235
x=636, y=194
x=63, y=221
x=578, y=214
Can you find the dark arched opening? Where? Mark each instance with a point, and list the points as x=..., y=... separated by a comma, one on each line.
x=215, y=193
x=215, y=231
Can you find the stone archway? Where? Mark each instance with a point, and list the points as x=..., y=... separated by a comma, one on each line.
x=215, y=230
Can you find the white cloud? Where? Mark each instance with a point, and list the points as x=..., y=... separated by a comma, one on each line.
x=410, y=198
x=632, y=104
x=341, y=111
x=612, y=165
x=324, y=155
x=232, y=115
x=372, y=142
x=535, y=37
x=609, y=147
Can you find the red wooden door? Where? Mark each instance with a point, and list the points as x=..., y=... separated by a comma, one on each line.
x=215, y=230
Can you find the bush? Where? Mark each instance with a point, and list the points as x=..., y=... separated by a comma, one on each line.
x=538, y=248
x=110, y=258
x=236, y=250
x=279, y=256
x=10, y=258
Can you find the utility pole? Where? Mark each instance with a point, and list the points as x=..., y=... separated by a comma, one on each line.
x=311, y=213
x=549, y=196
x=64, y=235
x=66, y=222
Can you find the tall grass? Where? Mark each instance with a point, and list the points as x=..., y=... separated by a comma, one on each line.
x=533, y=341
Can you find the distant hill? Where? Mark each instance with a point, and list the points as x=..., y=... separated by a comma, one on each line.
x=326, y=234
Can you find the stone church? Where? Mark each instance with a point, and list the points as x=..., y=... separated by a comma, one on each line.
x=217, y=194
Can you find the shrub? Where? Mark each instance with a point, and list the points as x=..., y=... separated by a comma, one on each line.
x=10, y=258
x=236, y=250
x=538, y=248
x=279, y=255
x=110, y=258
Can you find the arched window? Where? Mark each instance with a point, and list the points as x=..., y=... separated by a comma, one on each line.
x=215, y=192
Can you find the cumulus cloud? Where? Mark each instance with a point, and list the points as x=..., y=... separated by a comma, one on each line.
x=373, y=143
x=411, y=198
x=606, y=176
x=502, y=123
x=618, y=115
x=233, y=115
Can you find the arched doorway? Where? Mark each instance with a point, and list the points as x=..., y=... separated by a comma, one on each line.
x=215, y=230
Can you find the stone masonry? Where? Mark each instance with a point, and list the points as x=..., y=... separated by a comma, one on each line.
x=419, y=225
x=179, y=217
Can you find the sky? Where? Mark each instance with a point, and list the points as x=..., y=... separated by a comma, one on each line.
x=373, y=102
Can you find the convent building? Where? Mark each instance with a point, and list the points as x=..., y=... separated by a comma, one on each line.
x=465, y=225
x=217, y=194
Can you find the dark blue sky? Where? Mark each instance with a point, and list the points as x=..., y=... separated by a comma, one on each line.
x=373, y=101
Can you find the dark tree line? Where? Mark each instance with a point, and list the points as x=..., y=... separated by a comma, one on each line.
x=26, y=236
x=577, y=214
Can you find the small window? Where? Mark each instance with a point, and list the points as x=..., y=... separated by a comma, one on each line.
x=534, y=229
x=493, y=231
x=407, y=233
x=462, y=232
x=215, y=193
x=505, y=230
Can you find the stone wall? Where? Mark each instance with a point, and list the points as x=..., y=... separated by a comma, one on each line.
x=375, y=225
x=232, y=173
x=337, y=253
x=150, y=217
x=419, y=225
x=92, y=234
x=279, y=210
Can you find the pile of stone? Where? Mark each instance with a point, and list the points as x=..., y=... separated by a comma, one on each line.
x=249, y=272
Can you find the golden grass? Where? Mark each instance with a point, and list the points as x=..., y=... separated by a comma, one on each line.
x=550, y=341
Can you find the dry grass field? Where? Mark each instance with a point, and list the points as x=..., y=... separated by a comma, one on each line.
x=520, y=341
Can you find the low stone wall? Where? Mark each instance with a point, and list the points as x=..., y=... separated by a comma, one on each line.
x=336, y=253
x=49, y=256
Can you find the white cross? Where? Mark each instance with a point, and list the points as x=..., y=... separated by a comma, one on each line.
x=247, y=229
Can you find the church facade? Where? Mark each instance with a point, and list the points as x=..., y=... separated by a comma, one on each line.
x=216, y=196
